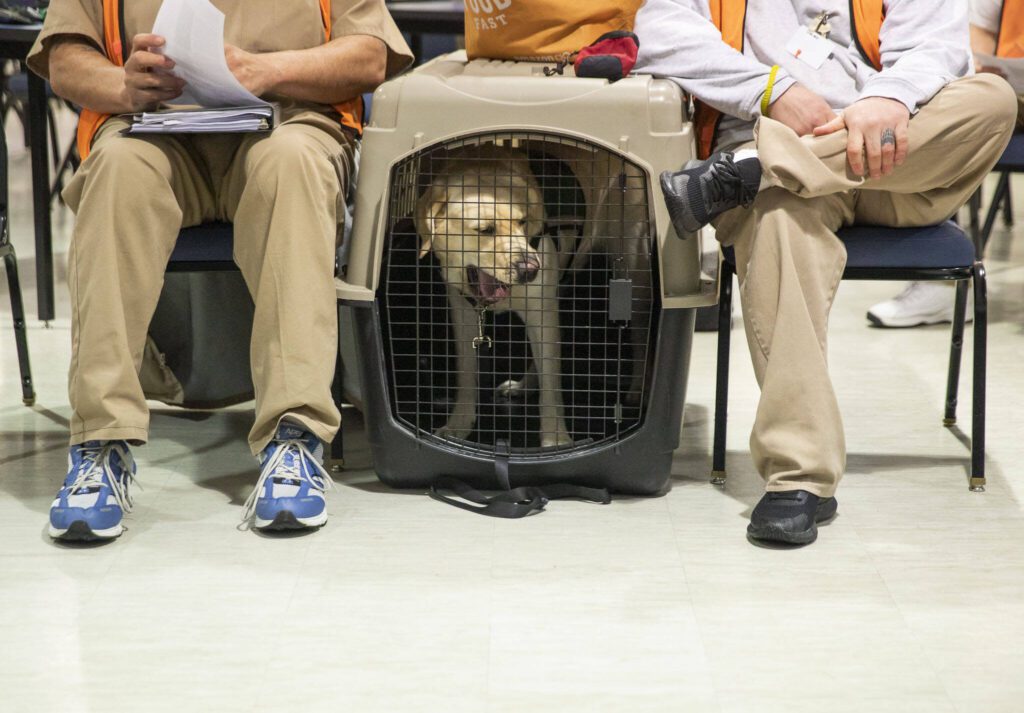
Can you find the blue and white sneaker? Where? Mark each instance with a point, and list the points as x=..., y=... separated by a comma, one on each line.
x=291, y=491
x=95, y=495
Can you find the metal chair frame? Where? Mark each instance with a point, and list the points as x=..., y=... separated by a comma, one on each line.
x=961, y=275
x=28, y=394
x=1001, y=200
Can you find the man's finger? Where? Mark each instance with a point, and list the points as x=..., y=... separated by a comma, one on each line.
x=147, y=40
x=139, y=80
x=855, y=151
x=158, y=94
x=888, y=150
x=144, y=61
x=837, y=124
x=902, y=144
x=873, y=147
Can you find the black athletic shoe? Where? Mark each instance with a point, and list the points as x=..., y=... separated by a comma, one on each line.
x=791, y=516
x=695, y=196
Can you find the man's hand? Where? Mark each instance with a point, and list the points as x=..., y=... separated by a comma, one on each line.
x=875, y=125
x=253, y=71
x=147, y=82
x=801, y=110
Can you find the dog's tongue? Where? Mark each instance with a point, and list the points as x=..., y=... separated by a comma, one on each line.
x=491, y=288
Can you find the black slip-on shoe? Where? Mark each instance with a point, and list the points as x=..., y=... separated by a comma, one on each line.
x=791, y=517
x=696, y=196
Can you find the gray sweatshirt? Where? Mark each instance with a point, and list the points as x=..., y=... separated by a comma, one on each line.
x=924, y=46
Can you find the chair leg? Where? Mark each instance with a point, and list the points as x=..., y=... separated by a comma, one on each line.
x=1008, y=205
x=977, y=483
x=338, y=444
x=67, y=164
x=722, y=381
x=1002, y=188
x=974, y=213
x=955, y=351
x=51, y=120
x=28, y=394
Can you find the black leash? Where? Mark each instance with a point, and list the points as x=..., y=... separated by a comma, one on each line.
x=511, y=503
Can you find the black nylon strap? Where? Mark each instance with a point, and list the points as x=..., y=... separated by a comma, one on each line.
x=513, y=503
x=501, y=465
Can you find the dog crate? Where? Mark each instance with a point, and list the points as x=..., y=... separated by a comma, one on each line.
x=519, y=297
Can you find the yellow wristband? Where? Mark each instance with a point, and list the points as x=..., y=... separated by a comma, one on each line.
x=766, y=98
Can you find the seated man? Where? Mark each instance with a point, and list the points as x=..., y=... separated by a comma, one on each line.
x=817, y=121
x=284, y=192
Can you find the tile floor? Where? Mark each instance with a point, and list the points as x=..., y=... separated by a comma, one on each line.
x=912, y=600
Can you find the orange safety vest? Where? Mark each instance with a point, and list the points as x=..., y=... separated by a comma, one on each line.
x=115, y=42
x=1010, y=39
x=729, y=17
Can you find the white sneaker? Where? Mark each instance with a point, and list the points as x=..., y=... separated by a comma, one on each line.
x=920, y=303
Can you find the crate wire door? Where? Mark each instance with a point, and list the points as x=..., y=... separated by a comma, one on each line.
x=595, y=254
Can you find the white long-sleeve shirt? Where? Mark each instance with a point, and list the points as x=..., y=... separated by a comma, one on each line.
x=986, y=13
x=924, y=46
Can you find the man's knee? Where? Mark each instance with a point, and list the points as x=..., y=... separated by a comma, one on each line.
x=121, y=170
x=292, y=160
x=993, y=101
x=127, y=155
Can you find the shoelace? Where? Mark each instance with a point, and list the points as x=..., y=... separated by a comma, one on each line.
x=96, y=462
x=277, y=467
x=725, y=184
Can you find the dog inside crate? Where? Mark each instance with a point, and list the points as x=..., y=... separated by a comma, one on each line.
x=517, y=293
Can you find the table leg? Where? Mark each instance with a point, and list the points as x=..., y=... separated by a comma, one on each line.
x=41, y=195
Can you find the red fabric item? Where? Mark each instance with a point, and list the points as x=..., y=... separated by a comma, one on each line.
x=612, y=56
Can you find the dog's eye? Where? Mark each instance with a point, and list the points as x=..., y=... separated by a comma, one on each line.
x=521, y=223
x=489, y=230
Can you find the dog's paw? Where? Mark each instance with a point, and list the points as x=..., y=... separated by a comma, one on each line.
x=553, y=440
x=512, y=390
x=458, y=427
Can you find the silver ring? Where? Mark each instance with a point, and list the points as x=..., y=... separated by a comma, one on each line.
x=888, y=137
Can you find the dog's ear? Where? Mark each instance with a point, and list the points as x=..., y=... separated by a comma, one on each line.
x=535, y=215
x=429, y=210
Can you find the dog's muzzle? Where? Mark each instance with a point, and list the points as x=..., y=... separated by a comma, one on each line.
x=526, y=268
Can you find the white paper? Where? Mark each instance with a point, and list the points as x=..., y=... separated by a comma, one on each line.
x=194, y=30
x=193, y=116
x=237, y=119
x=1011, y=69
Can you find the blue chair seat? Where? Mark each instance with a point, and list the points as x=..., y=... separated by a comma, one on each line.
x=206, y=243
x=933, y=247
x=1013, y=157
x=942, y=246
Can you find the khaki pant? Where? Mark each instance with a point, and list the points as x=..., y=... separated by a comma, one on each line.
x=283, y=191
x=789, y=260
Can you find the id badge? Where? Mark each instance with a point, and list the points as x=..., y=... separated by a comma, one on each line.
x=809, y=47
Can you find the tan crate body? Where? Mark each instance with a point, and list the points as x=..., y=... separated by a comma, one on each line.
x=642, y=118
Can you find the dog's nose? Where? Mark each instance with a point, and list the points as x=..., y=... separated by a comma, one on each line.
x=526, y=268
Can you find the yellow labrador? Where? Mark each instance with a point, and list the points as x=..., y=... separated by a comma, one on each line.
x=477, y=217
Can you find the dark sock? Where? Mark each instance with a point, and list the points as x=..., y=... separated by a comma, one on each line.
x=750, y=173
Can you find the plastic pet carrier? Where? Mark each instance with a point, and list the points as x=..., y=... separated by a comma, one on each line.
x=523, y=309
